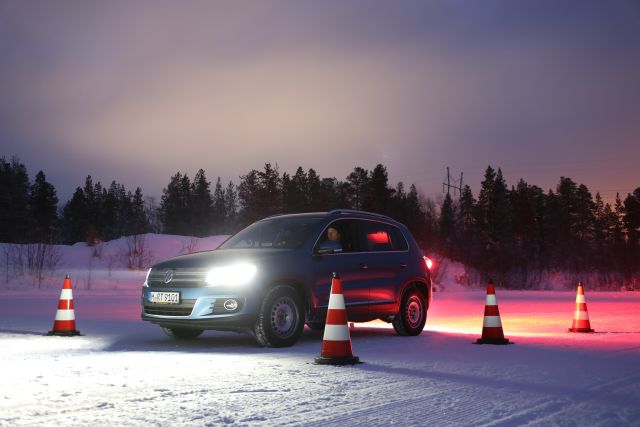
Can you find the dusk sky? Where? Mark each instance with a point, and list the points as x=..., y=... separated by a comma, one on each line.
x=138, y=90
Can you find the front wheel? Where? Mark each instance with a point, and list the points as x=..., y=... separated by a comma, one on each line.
x=412, y=316
x=183, y=333
x=280, y=319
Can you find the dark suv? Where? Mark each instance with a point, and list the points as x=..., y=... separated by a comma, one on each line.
x=275, y=275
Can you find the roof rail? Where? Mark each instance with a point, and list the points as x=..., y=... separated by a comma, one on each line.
x=355, y=211
x=291, y=213
x=273, y=215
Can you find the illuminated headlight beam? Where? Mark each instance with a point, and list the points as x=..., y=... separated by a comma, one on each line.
x=231, y=275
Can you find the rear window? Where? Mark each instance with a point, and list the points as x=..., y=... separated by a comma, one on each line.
x=378, y=237
x=277, y=233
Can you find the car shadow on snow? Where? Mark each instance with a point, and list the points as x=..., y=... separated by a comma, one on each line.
x=230, y=342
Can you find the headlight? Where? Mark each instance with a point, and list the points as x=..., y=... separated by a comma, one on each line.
x=231, y=275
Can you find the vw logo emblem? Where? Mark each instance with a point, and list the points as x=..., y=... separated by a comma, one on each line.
x=168, y=276
x=230, y=304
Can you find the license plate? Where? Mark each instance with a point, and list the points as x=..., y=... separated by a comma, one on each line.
x=164, y=297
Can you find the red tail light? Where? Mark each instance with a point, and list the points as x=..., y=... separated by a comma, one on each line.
x=428, y=262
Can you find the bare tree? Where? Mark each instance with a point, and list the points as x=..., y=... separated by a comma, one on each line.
x=138, y=254
x=43, y=259
x=37, y=259
x=189, y=247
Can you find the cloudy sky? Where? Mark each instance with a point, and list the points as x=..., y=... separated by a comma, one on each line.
x=138, y=90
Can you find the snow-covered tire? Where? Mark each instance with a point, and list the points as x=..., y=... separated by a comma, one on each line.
x=412, y=316
x=280, y=319
x=183, y=333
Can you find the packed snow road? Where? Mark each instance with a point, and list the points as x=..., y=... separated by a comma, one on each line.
x=123, y=371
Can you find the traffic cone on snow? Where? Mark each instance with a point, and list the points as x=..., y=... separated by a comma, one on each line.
x=65, y=322
x=492, y=325
x=336, y=342
x=581, y=316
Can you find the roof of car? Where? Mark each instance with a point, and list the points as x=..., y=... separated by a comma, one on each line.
x=335, y=212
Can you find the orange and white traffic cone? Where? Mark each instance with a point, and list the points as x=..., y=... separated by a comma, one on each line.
x=492, y=325
x=581, y=316
x=336, y=342
x=65, y=322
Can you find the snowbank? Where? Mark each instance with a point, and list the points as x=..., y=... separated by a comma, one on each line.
x=116, y=264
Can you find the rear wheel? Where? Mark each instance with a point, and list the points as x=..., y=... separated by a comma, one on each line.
x=183, y=333
x=412, y=316
x=280, y=319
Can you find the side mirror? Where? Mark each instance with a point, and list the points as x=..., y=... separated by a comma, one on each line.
x=329, y=247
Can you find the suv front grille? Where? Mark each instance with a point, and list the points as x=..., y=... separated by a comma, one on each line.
x=182, y=278
x=183, y=309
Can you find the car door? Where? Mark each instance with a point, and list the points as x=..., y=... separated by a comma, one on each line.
x=385, y=257
x=347, y=262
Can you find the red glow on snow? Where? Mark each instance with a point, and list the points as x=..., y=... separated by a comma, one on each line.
x=539, y=318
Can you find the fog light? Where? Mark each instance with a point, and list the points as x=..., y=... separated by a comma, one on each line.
x=230, y=305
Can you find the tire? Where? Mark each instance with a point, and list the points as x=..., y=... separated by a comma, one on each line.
x=412, y=316
x=183, y=333
x=280, y=319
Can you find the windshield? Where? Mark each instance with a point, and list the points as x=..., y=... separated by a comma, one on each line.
x=279, y=233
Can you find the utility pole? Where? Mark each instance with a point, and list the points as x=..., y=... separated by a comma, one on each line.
x=455, y=187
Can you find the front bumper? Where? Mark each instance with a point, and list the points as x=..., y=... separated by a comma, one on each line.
x=201, y=308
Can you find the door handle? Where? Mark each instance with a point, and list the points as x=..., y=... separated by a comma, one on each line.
x=403, y=264
x=363, y=266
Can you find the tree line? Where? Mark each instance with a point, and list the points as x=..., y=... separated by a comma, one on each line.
x=516, y=234
x=507, y=233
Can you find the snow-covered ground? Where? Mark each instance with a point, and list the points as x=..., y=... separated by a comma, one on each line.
x=123, y=371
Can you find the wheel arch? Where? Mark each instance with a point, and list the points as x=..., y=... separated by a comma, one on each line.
x=298, y=286
x=422, y=286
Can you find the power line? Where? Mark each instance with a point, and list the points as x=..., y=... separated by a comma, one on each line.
x=454, y=186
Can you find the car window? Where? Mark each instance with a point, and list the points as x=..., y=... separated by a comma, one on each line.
x=278, y=233
x=378, y=236
x=344, y=232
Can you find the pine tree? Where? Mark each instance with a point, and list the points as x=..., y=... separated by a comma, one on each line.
x=75, y=218
x=44, y=209
x=249, y=198
x=296, y=197
x=286, y=193
x=93, y=196
x=231, y=206
x=378, y=194
x=575, y=223
x=111, y=208
x=15, y=221
x=494, y=226
x=260, y=194
x=270, y=192
x=200, y=206
x=397, y=203
x=493, y=208
x=632, y=229
x=174, y=205
x=466, y=240
x=330, y=194
x=421, y=220
x=446, y=227
x=219, y=209
x=357, y=187
x=139, y=223
x=315, y=198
